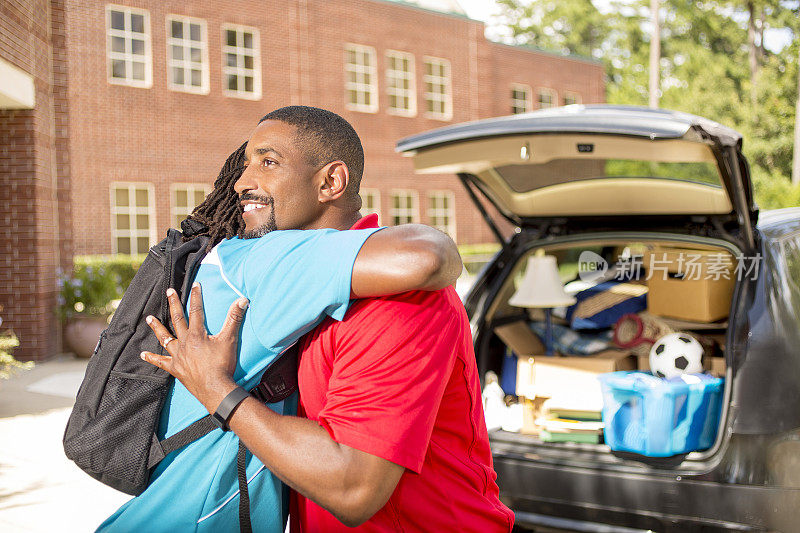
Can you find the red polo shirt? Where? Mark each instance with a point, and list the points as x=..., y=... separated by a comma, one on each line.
x=397, y=379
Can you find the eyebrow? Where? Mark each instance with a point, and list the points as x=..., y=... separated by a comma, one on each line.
x=265, y=150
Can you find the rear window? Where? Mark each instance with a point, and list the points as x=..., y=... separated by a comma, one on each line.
x=528, y=177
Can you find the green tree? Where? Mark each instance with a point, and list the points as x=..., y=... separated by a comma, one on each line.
x=713, y=63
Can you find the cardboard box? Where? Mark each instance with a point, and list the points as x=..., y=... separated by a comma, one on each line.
x=548, y=377
x=531, y=411
x=716, y=367
x=520, y=338
x=643, y=363
x=695, y=285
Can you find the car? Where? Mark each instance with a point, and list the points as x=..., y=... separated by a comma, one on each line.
x=607, y=178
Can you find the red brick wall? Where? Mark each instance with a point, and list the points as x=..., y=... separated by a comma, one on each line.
x=511, y=64
x=31, y=244
x=57, y=161
x=160, y=136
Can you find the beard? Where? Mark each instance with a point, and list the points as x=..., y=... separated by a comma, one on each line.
x=269, y=225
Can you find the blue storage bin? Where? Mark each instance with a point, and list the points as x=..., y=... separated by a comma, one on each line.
x=651, y=416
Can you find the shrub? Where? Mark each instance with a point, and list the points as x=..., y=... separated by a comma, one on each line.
x=8, y=341
x=773, y=191
x=96, y=284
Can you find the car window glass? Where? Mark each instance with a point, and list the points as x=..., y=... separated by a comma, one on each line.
x=528, y=177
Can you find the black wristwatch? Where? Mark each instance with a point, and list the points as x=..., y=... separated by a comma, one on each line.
x=226, y=407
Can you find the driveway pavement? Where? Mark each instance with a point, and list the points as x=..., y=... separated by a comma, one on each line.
x=40, y=489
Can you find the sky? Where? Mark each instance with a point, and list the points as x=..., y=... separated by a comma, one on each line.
x=483, y=10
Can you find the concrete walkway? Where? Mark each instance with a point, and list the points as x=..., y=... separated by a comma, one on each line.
x=40, y=489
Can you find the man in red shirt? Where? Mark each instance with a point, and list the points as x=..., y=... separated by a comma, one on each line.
x=395, y=438
x=397, y=379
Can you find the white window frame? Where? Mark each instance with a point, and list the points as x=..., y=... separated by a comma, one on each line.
x=553, y=97
x=186, y=63
x=393, y=74
x=528, y=104
x=128, y=35
x=376, y=193
x=132, y=233
x=446, y=82
x=393, y=211
x=449, y=212
x=240, y=72
x=191, y=188
x=370, y=88
x=574, y=95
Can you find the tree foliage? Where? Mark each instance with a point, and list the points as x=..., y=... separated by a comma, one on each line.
x=707, y=53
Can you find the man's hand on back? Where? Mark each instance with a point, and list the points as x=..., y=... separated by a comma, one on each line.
x=351, y=484
x=203, y=363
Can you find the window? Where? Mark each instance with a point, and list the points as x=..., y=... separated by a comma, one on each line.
x=133, y=227
x=185, y=197
x=129, y=57
x=571, y=98
x=547, y=98
x=404, y=207
x=361, y=79
x=438, y=99
x=241, y=64
x=520, y=99
x=370, y=202
x=441, y=211
x=187, y=55
x=400, y=83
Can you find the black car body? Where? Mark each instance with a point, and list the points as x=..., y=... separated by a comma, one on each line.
x=750, y=478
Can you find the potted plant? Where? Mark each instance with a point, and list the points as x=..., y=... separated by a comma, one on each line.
x=88, y=296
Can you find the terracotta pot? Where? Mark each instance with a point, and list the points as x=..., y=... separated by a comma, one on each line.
x=82, y=333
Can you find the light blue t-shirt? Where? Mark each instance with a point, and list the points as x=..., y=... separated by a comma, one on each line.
x=293, y=279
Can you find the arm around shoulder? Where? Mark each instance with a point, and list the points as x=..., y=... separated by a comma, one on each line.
x=404, y=258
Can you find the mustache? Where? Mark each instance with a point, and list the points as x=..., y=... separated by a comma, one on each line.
x=266, y=200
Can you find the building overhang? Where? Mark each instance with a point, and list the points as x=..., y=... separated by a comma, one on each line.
x=17, y=90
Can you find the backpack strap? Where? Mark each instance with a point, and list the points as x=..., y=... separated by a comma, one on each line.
x=244, y=495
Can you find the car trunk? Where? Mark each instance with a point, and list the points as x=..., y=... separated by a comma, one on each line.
x=502, y=328
x=603, y=179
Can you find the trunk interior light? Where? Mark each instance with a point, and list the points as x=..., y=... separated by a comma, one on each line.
x=525, y=152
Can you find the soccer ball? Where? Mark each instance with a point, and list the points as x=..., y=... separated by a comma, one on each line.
x=676, y=354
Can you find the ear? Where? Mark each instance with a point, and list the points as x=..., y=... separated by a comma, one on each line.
x=335, y=177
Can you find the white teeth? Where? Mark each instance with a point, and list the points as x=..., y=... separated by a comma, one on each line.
x=250, y=207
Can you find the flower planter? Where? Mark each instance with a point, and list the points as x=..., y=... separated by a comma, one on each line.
x=81, y=334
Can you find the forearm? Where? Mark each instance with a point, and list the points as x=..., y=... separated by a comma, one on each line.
x=403, y=258
x=302, y=454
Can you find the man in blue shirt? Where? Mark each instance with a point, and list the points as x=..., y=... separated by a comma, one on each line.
x=292, y=280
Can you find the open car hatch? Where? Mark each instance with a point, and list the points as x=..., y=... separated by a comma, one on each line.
x=595, y=160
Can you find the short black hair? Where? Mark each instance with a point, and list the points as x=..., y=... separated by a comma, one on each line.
x=325, y=137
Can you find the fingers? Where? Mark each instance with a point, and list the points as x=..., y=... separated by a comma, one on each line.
x=165, y=338
x=161, y=361
x=197, y=316
x=179, y=323
x=230, y=330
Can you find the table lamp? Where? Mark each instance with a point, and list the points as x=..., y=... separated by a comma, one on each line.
x=541, y=288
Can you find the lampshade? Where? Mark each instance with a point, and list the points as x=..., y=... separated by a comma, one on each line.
x=541, y=287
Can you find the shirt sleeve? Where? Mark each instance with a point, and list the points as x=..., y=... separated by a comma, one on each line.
x=297, y=278
x=390, y=369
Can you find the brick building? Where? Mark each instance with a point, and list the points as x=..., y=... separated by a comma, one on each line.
x=115, y=118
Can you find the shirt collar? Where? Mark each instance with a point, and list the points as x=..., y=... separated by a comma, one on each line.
x=369, y=221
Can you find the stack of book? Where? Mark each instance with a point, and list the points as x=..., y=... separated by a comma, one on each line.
x=566, y=421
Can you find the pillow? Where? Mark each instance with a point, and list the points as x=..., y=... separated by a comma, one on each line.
x=601, y=306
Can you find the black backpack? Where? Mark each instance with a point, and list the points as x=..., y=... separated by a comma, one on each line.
x=111, y=432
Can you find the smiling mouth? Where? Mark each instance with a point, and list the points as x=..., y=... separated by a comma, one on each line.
x=252, y=207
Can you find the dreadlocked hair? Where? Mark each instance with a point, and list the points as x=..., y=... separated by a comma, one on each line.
x=221, y=212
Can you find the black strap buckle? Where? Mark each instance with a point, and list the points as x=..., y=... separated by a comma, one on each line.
x=279, y=380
